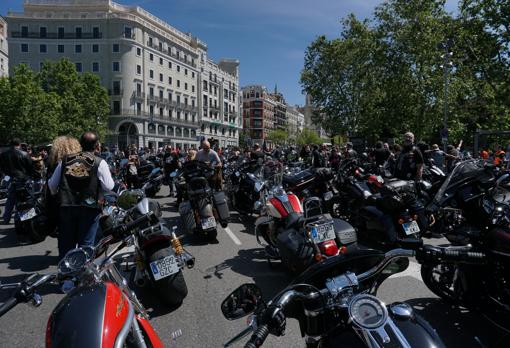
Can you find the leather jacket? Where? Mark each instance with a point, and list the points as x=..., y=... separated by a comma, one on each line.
x=17, y=164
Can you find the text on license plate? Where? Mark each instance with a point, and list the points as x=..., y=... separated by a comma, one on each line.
x=27, y=214
x=164, y=267
x=323, y=232
x=411, y=227
x=209, y=222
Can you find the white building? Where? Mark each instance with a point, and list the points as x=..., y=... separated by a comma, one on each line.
x=153, y=72
x=4, y=51
x=295, y=121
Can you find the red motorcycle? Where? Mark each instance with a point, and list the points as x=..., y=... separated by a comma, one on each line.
x=99, y=310
x=298, y=233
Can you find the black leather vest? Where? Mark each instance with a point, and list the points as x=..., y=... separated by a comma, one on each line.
x=79, y=183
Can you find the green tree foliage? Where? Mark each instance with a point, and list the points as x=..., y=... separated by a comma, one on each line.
x=308, y=136
x=37, y=107
x=384, y=75
x=278, y=136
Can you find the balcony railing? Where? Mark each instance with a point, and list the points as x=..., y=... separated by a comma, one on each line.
x=37, y=35
x=157, y=118
x=138, y=95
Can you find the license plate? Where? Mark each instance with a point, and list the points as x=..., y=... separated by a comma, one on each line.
x=208, y=223
x=27, y=215
x=411, y=227
x=322, y=233
x=165, y=267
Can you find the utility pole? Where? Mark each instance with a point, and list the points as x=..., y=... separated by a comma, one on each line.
x=447, y=66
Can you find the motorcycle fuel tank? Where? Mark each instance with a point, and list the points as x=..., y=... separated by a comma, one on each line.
x=282, y=206
x=87, y=317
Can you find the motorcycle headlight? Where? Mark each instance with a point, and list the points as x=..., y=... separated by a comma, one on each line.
x=257, y=205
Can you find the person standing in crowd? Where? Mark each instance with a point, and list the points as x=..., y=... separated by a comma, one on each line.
x=306, y=154
x=334, y=158
x=209, y=156
x=80, y=181
x=452, y=158
x=18, y=165
x=409, y=164
x=257, y=154
x=438, y=156
x=349, y=151
x=499, y=156
x=317, y=158
x=380, y=154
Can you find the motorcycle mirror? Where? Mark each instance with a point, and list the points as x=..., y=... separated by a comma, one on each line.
x=257, y=205
x=501, y=179
x=173, y=174
x=241, y=302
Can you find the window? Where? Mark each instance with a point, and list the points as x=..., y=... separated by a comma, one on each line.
x=95, y=67
x=169, y=80
x=95, y=32
x=178, y=115
x=138, y=108
x=178, y=68
x=193, y=88
x=116, y=66
x=77, y=48
x=169, y=65
x=160, y=77
x=178, y=83
x=78, y=67
x=151, y=127
x=151, y=57
x=151, y=109
x=42, y=32
x=61, y=32
x=161, y=94
x=169, y=96
x=116, y=48
x=95, y=48
x=139, y=69
x=193, y=102
x=41, y=64
x=42, y=48
x=116, y=87
x=60, y=48
x=116, y=107
x=78, y=32
x=185, y=101
x=161, y=113
x=193, y=74
x=151, y=91
x=178, y=97
x=138, y=89
x=186, y=72
x=186, y=86
x=128, y=32
x=138, y=51
x=24, y=31
x=160, y=61
x=150, y=41
x=24, y=48
x=151, y=74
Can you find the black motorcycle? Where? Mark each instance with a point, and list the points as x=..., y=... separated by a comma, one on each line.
x=30, y=219
x=243, y=185
x=335, y=305
x=472, y=210
x=159, y=256
x=200, y=206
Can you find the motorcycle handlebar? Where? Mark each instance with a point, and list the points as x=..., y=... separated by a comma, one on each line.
x=429, y=253
x=8, y=305
x=124, y=230
x=258, y=337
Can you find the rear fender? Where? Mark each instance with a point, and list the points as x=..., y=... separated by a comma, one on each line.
x=149, y=332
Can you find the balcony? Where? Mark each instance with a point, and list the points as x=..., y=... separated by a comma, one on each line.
x=115, y=91
x=66, y=36
x=130, y=113
x=152, y=98
x=139, y=96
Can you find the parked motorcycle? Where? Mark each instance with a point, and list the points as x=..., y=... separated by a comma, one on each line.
x=159, y=255
x=243, y=185
x=335, y=304
x=472, y=209
x=299, y=236
x=30, y=219
x=201, y=207
x=100, y=310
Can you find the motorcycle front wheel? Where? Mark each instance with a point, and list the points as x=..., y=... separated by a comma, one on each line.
x=173, y=289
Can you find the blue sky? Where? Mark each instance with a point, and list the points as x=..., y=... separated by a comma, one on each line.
x=269, y=37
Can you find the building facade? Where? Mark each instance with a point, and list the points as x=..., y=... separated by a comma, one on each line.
x=258, y=114
x=307, y=110
x=4, y=49
x=295, y=121
x=153, y=72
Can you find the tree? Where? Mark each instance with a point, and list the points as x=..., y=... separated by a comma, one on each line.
x=278, y=136
x=308, y=136
x=37, y=107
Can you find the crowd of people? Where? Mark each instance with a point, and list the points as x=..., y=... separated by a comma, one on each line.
x=77, y=174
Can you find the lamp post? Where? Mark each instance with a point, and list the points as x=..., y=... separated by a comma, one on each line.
x=446, y=66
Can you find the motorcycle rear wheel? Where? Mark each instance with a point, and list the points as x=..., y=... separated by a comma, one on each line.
x=173, y=289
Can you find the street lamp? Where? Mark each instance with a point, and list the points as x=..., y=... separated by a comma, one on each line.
x=446, y=66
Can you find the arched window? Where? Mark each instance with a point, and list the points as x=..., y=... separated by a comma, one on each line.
x=170, y=131
x=178, y=132
x=151, y=128
x=161, y=130
x=186, y=132
x=193, y=133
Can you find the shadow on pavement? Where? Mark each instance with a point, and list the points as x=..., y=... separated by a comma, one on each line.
x=31, y=263
x=459, y=327
x=252, y=263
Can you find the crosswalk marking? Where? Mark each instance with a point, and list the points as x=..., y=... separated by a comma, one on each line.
x=232, y=236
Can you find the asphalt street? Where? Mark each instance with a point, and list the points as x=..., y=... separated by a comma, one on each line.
x=219, y=269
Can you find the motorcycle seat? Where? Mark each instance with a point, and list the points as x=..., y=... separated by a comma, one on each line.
x=294, y=220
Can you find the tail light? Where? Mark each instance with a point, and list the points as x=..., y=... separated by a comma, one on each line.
x=329, y=248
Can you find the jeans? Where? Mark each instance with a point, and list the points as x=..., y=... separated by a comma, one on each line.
x=77, y=226
x=11, y=199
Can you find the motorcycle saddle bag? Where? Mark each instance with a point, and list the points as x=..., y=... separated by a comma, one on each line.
x=220, y=203
x=295, y=251
x=187, y=217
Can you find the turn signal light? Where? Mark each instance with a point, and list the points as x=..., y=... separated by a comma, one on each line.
x=401, y=221
x=415, y=217
x=318, y=257
x=343, y=250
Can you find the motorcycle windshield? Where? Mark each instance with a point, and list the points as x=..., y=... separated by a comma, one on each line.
x=467, y=170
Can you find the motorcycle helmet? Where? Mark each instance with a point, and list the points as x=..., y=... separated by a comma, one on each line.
x=129, y=198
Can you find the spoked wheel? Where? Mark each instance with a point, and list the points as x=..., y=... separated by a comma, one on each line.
x=441, y=279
